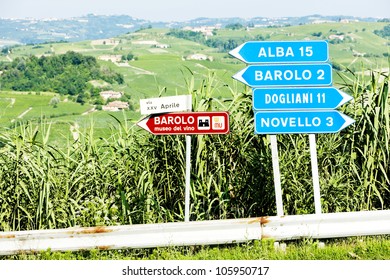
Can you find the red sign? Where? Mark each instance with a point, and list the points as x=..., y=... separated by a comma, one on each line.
x=187, y=123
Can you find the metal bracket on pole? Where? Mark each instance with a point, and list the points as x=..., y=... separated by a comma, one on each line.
x=275, y=166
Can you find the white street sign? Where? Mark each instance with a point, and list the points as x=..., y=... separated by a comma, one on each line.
x=166, y=104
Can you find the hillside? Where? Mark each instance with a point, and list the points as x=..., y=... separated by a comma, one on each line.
x=158, y=58
x=91, y=27
x=154, y=63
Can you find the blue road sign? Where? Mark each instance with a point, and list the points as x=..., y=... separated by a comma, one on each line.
x=298, y=98
x=295, y=122
x=274, y=75
x=282, y=52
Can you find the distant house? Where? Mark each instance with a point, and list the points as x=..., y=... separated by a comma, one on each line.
x=336, y=37
x=358, y=54
x=205, y=30
x=199, y=56
x=162, y=46
x=320, y=21
x=112, y=58
x=116, y=106
x=110, y=94
x=345, y=21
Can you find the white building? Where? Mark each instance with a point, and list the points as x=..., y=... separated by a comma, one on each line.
x=116, y=106
x=111, y=94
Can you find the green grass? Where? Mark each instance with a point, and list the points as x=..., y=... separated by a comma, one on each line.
x=355, y=248
x=21, y=102
x=36, y=106
x=60, y=118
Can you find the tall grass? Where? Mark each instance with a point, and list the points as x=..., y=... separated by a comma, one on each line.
x=354, y=165
x=368, y=145
x=134, y=177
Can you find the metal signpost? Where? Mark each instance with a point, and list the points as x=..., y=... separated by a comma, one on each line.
x=292, y=95
x=184, y=123
x=165, y=105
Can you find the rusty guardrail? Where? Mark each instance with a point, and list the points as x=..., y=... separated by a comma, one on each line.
x=197, y=233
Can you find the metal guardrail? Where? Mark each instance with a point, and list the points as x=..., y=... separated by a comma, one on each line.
x=197, y=233
x=331, y=225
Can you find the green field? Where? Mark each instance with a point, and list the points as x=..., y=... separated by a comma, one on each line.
x=16, y=103
x=17, y=109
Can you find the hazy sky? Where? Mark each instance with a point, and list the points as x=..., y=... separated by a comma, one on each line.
x=178, y=10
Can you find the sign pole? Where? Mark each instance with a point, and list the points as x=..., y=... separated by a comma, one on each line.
x=275, y=166
x=188, y=179
x=314, y=168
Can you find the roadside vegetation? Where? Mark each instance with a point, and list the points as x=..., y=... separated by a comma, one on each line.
x=133, y=177
x=59, y=171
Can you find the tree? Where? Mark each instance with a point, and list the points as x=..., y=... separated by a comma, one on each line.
x=385, y=32
x=6, y=50
x=317, y=34
x=68, y=73
x=127, y=57
x=81, y=98
x=54, y=101
x=130, y=56
x=234, y=26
